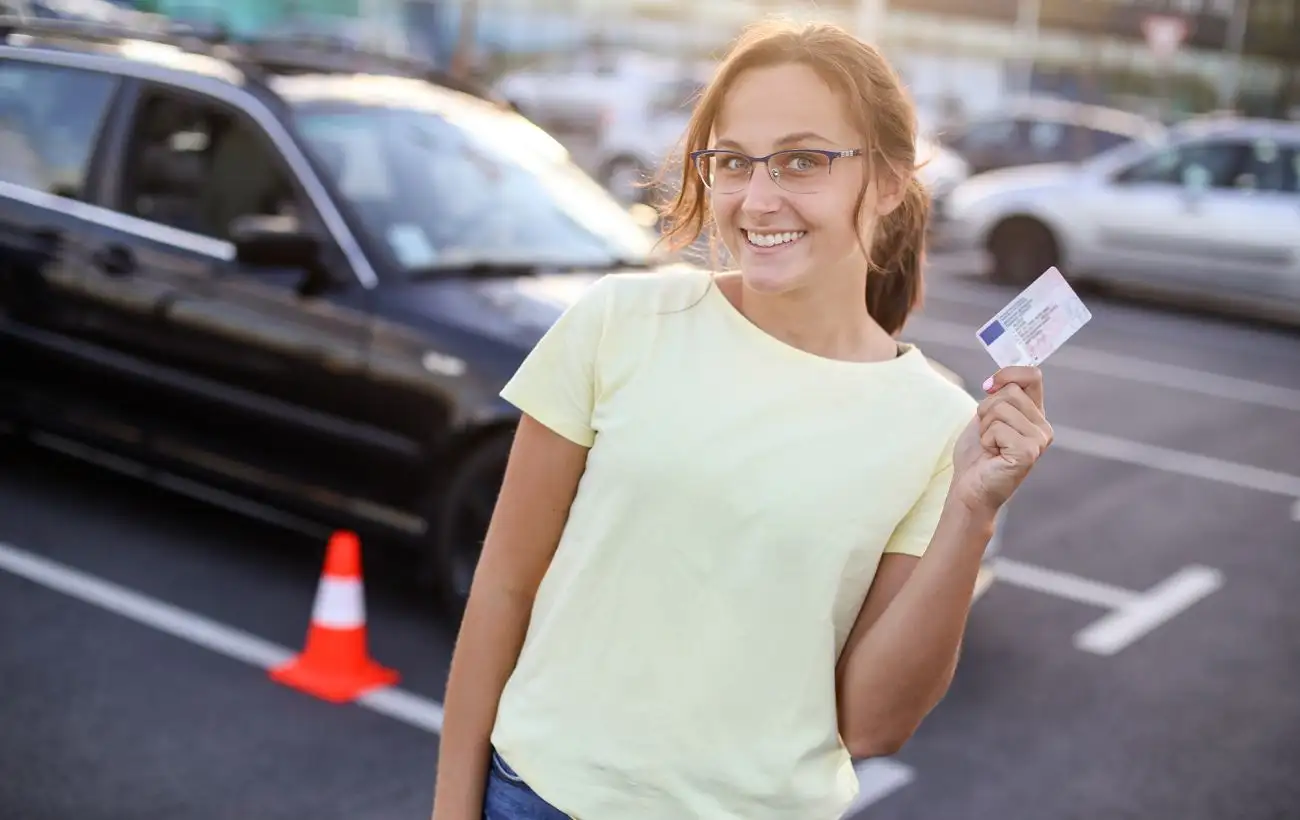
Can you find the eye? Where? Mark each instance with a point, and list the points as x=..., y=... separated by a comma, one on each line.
x=732, y=162
x=804, y=162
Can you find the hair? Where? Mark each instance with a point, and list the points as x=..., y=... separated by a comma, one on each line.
x=883, y=113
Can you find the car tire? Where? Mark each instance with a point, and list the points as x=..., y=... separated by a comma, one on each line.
x=460, y=508
x=1022, y=249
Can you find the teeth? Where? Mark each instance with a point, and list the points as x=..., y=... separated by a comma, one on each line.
x=768, y=240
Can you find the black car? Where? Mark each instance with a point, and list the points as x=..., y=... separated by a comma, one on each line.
x=280, y=279
x=287, y=280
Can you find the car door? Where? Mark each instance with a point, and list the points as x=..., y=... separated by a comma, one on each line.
x=253, y=376
x=50, y=119
x=1261, y=214
x=1168, y=220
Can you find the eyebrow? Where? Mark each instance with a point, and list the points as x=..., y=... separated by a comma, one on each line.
x=788, y=139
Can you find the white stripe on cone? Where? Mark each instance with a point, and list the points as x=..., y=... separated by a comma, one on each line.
x=340, y=604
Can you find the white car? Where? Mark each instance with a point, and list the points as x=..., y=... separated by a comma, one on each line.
x=941, y=169
x=1210, y=213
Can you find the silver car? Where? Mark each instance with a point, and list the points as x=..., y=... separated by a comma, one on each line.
x=1210, y=213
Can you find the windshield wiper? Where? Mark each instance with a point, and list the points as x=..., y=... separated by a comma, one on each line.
x=514, y=268
x=476, y=269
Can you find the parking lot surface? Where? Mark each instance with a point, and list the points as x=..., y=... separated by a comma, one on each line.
x=1135, y=659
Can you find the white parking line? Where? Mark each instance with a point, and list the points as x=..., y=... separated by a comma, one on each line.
x=950, y=334
x=196, y=629
x=1061, y=584
x=1132, y=614
x=877, y=778
x=1150, y=609
x=1179, y=462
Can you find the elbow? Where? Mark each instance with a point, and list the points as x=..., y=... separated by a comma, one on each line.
x=877, y=744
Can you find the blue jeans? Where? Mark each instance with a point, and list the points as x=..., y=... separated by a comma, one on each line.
x=508, y=797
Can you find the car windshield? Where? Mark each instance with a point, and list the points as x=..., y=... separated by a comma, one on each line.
x=446, y=190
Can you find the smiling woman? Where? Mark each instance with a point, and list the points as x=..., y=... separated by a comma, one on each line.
x=741, y=525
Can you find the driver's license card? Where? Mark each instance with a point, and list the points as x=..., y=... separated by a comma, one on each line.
x=1036, y=323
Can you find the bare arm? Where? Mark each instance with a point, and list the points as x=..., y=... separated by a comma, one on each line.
x=901, y=655
x=540, y=482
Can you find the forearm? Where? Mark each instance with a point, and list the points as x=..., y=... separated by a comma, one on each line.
x=491, y=636
x=907, y=657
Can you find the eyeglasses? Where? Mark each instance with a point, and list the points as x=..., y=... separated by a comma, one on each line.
x=797, y=170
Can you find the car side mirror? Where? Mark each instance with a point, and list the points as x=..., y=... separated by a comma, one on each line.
x=266, y=241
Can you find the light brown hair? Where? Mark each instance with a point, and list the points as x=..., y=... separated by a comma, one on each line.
x=883, y=113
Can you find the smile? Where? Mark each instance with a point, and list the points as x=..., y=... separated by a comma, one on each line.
x=771, y=240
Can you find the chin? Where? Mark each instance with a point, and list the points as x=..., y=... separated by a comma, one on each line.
x=774, y=273
x=770, y=279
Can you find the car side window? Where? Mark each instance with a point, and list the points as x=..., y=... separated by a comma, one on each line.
x=196, y=165
x=986, y=135
x=1209, y=164
x=50, y=119
x=1270, y=166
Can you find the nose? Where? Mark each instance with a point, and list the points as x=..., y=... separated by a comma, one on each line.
x=762, y=195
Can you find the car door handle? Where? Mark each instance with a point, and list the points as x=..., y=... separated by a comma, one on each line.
x=114, y=260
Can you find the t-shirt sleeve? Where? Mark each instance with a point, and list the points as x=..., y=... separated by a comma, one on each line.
x=912, y=535
x=558, y=381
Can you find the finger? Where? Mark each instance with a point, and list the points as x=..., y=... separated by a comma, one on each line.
x=1016, y=396
x=1004, y=440
x=1030, y=380
x=1014, y=416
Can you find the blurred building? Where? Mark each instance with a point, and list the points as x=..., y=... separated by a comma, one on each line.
x=956, y=54
x=1100, y=51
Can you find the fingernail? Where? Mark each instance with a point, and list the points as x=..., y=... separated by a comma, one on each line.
x=988, y=384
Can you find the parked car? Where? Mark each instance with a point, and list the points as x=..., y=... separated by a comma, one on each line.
x=279, y=285
x=1031, y=131
x=1211, y=215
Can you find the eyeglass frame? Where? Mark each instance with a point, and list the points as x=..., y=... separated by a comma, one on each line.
x=830, y=155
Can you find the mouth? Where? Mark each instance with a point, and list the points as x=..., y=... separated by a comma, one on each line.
x=768, y=239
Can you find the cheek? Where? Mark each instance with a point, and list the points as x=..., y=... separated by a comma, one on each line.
x=725, y=209
x=837, y=220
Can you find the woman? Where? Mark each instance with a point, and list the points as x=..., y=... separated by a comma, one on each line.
x=740, y=526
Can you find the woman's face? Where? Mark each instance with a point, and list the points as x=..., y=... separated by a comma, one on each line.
x=786, y=234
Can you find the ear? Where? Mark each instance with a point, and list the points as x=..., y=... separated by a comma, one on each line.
x=890, y=192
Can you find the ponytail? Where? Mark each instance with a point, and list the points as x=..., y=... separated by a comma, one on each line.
x=897, y=252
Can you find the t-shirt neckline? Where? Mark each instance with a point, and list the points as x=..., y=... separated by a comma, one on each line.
x=907, y=352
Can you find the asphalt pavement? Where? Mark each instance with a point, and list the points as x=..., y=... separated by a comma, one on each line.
x=1136, y=658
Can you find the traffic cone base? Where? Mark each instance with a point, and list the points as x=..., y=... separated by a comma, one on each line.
x=331, y=684
x=335, y=664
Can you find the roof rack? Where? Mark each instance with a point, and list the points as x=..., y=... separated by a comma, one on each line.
x=289, y=52
x=150, y=27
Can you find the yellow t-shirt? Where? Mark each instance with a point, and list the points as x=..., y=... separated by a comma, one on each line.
x=738, y=495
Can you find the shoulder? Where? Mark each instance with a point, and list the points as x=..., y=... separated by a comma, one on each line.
x=938, y=402
x=655, y=292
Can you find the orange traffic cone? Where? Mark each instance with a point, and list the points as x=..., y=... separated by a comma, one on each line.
x=335, y=664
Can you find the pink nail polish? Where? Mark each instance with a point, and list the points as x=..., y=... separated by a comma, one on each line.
x=988, y=384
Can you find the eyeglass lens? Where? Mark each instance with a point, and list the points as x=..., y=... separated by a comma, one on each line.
x=800, y=172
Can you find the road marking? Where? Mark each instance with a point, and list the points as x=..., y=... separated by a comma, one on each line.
x=1161, y=603
x=1132, y=614
x=1178, y=462
x=1062, y=584
x=878, y=778
x=1087, y=360
x=196, y=629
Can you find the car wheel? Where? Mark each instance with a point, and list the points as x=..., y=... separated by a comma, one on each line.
x=1022, y=250
x=461, y=508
